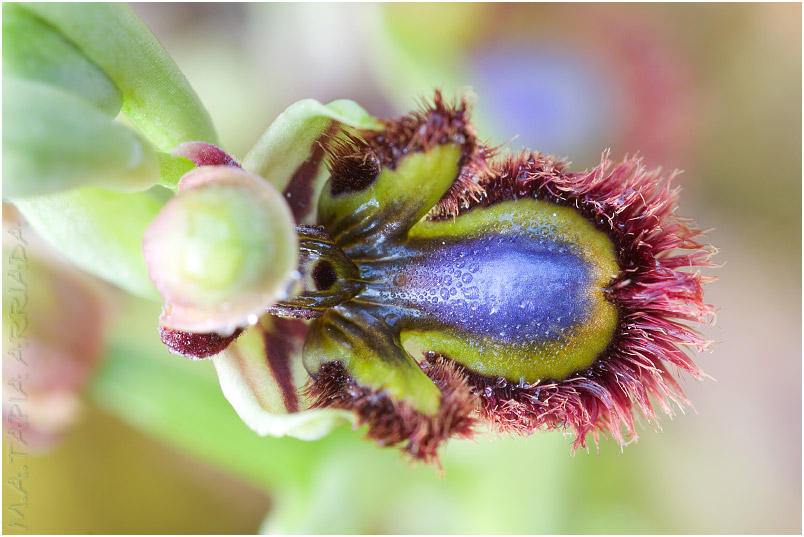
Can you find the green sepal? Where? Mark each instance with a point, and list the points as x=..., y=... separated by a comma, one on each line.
x=34, y=50
x=289, y=154
x=357, y=337
x=171, y=170
x=99, y=230
x=156, y=96
x=266, y=398
x=54, y=140
x=394, y=202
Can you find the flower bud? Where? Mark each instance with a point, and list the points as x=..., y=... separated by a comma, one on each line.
x=221, y=251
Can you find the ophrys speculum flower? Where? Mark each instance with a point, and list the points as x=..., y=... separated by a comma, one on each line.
x=444, y=286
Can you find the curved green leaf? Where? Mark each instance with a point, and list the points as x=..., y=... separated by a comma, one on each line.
x=156, y=95
x=34, y=50
x=98, y=230
x=53, y=140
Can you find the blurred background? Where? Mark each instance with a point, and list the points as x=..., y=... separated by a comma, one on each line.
x=125, y=438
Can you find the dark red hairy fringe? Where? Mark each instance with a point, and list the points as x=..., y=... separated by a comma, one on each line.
x=355, y=156
x=636, y=209
x=392, y=422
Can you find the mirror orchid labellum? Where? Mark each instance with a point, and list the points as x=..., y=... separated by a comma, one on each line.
x=445, y=286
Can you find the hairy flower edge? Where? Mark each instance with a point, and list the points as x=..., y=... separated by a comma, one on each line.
x=656, y=294
x=392, y=422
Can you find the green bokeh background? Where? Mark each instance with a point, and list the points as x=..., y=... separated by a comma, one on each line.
x=713, y=89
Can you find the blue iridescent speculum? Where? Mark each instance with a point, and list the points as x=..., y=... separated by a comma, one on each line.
x=508, y=294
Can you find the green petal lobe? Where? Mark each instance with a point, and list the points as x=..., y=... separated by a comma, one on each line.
x=371, y=353
x=393, y=203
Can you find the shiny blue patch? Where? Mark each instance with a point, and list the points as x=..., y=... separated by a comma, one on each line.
x=508, y=288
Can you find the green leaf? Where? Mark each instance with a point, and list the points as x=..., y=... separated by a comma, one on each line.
x=156, y=95
x=289, y=154
x=34, y=50
x=54, y=140
x=98, y=230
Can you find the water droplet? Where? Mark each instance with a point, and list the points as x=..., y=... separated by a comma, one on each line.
x=471, y=293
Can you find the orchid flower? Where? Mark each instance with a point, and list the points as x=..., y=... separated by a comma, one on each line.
x=401, y=274
x=440, y=286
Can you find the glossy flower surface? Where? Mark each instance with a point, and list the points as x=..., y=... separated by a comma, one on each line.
x=442, y=286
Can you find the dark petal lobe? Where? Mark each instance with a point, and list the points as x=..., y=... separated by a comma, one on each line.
x=195, y=346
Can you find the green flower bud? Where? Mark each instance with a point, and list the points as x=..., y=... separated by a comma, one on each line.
x=221, y=251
